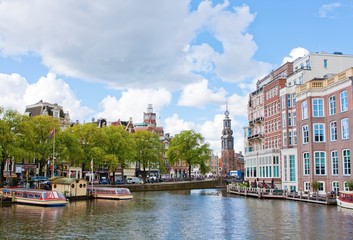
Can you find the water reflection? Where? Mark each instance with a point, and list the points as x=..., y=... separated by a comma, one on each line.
x=196, y=214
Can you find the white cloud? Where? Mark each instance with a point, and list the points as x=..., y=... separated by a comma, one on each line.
x=175, y=125
x=131, y=44
x=12, y=88
x=211, y=130
x=234, y=63
x=16, y=93
x=238, y=105
x=198, y=95
x=328, y=10
x=294, y=54
x=133, y=103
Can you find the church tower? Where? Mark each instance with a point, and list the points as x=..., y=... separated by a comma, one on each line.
x=227, y=145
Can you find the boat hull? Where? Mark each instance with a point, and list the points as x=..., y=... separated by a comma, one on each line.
x=43, y=203
x=111, y=196
x=343, y=204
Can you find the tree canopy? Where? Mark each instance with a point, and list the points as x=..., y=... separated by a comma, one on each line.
x=190, y=147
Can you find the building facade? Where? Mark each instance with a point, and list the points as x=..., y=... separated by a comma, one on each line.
x=294, y=130
x=325, y=113
x=49, y=109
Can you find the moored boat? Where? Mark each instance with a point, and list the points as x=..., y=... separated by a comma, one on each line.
x=345, y=199
x=35, y=197
x=111, y=193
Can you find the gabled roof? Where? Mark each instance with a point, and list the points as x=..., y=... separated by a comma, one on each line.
x=64, y=180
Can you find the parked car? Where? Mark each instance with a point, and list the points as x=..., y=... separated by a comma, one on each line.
x=134, y=180
x=104, y=181
x=120, y=181
x=152, y=179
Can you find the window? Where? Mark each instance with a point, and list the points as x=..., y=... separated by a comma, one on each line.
x=334, y=162
x=335, y=187
x=307, y=186
x=306, y=163
x=345, y=128
x=333, y=131
x=284, y=120
x=276, y=166
x=325, y=63
x=332, y=105
x=283, y=101
x=294, y=122
x=304, y=110
x=295, y=139
x=318, y=107
x=290, y=143
x=320, y=163
x=346, y=162
x=284, y=139
x=289, y=119
x=346, y=186
x=344, y=101
x=289, y=101
x=56, y=114
x=319, y=132
x=293, y=99
x=305, y=134
x=321, y=186
x=285, y=167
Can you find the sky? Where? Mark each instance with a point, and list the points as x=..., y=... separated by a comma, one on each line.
x=188, y=58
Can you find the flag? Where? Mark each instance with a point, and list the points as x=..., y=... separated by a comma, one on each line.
x=52, y=132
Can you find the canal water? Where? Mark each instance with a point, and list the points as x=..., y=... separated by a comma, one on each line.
x=196, y=214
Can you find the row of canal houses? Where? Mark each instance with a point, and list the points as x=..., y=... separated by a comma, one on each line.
x=65, y=169
x=299, y=121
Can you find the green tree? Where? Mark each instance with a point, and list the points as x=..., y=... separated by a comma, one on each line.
x=349, y=185
x=189, y=147
x=6, y=141
x=315, y=185
x=148, y=150
x=43, y=144
x=91, y=141
x=16, y=138
x=68, y=147
x=120, y=148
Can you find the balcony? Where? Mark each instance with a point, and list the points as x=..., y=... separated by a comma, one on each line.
x=257, y=120
x=255, y=136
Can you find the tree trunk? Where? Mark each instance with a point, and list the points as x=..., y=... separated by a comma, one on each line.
x=189, y=172
x=2, y=167
x=144, y=174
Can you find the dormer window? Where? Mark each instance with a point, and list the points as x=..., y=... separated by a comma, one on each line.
x=56, y=114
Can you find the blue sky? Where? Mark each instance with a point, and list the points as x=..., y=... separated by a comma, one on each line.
x=188, y=58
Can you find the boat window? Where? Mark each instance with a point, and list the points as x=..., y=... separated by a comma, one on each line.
x=55, y=195
x=84, y=185
x=80, y=185
x=54, y=186
x=72, y=185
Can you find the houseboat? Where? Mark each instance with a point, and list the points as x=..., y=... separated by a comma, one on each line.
x=35, y=197
x=111, y=193
x=345, y=199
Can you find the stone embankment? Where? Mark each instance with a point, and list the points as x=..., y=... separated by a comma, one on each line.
x=183, y=185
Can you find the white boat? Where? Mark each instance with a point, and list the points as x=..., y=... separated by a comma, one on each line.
x=111, y=193
x=37, y=197
x=345, y=199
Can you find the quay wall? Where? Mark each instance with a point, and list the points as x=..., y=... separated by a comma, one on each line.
x=165, y=186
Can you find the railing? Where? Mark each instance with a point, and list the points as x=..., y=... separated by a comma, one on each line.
x=314, y=197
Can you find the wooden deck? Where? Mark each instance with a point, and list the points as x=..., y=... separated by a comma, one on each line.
x=328, y=199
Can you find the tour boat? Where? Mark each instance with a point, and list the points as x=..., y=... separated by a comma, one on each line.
x=111, y=193
x=345, y=199
x=37, y=197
